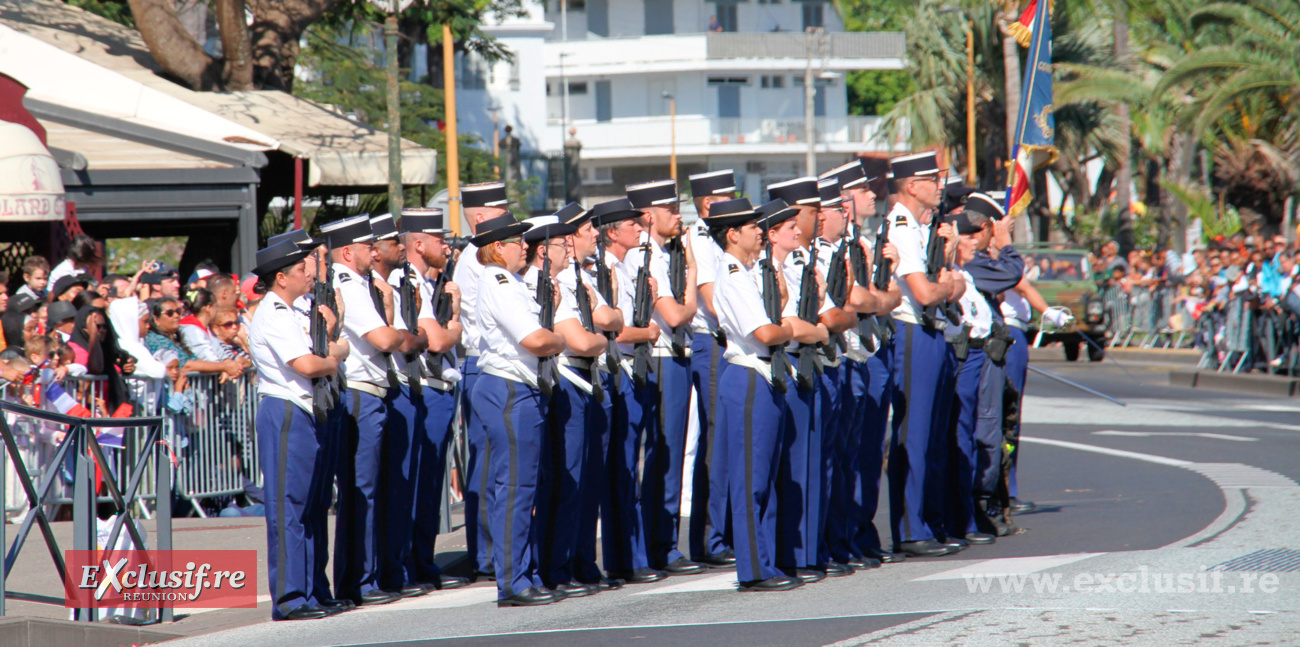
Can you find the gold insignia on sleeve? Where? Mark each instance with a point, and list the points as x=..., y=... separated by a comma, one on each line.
x=900, y=220
x=502, y=279
x=732, y=268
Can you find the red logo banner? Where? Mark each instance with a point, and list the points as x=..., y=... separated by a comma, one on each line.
x=180, y=579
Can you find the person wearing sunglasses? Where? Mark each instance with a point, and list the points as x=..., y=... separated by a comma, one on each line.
x=164, y=336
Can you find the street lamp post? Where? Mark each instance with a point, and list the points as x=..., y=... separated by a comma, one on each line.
x=672, y=134
x=970, y=103
x=809, y=92
x=564, y=121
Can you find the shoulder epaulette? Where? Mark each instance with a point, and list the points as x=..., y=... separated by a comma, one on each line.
x=281, y=306
x=900, y=220
x=344, y=278
x=502, y=278
x=732, y=268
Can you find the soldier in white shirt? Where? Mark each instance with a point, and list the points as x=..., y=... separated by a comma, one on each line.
x=481, y=202
x=288, y=432
x=710, y=544
x=921, y=360
x=511, y=407
x=803, y=483
x=622, y=537
x=869, y=384
x=664, y=401
x=424, y=237
x=751, y=409
x=367, y=331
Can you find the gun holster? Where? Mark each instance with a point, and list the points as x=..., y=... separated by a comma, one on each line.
x=1000, y=340
x=961, y=345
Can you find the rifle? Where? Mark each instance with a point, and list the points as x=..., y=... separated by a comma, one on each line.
x=677, y=282
x=324, y=390
x=548, y=372
x=809, y=304
x=441, y=304
x=589, y=324
x=772, y=305
x=880, y=326
x=605, y=286
x=939, y=316
x=410, y=317
x=377, y=298
x=642, y=304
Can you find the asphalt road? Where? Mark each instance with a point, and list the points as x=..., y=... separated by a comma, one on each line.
x=1177, y=482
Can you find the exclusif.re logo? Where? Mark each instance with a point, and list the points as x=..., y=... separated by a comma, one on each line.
x=153, y=579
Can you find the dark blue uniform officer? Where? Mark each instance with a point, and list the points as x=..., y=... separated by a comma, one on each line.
x=511, y=407
x=751, y=407
x=297, y=493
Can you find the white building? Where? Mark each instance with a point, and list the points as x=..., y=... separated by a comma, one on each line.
x=738, y=92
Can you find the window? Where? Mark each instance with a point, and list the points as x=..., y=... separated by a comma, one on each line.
x=726, y=13
x=472, y=72
x=604, y=108
x=773, y=82
x=769, y=1
x=597, y=174
x=577, y=87
x=658, y=17
x=813, y=14
x=514, y=76
x=728, y=80
x=729, y=101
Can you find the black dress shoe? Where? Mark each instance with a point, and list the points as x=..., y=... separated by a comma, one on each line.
x=341, y=605
x=980, y=538
x=532, y=597
x=806, y=575
x=639, y=576
x=376, y=597
x=862, y=563
x=412, y=591
x=307, y=612
x=559, y=595
x=683, y=566
x=924, y=548
x=719, y=560
x=606, y=584
x=836, y=569
x=884, y=557
x=576, y=590
x=1021, y=507
x=774, y=583
x=447, y=582
x=482, y=576
x=955, y=542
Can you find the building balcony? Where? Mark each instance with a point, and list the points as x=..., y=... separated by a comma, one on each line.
x=777, y=51
x=699, y=135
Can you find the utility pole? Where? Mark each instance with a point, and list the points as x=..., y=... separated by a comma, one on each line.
x=809, y=93
x=672, y=135
x=970, y=103
x=394, y=115
x=453, y=141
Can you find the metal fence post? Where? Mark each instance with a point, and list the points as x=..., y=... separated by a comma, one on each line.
x=83, y=501
x=163, y=504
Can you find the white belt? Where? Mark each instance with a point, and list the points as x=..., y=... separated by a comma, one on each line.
x=566, y=372
x=1016, y=323
x=471, y=352
x=826, y=361
x=702, y=330
x=660, y=351
x=530, y=380
x=855, y=355
x=754, y=363
x=905, y=318
x=366, y=387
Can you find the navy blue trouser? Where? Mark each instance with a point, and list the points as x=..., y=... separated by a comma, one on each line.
x=478, y=476
x=799, y=480
x=988, y=430
x=430, y=471
x=395, y=501
x=286, y=435
x=329, y=437
x=514, y=415
x=750, y=415
x=961, y=496
x=920, y=361
x=708, y=532
x=622, y=536
x=665, y=412
x=837, y=437
x=939, y=459
x=559, y=500
x=356, y=553
x=1017, y=370
x=596, y=494
x=875, y=384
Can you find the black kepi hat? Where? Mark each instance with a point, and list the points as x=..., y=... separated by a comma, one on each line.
x=659, y=193
x=484, y=194
x=918, y=165
x=713, y=183
x=850, y=175
x=421, y=220
x=347, y=231
x=829, y=190
x=774, y=213
x=382, y=227
x=573, y=214
x=277, y=256
x=546, y=227
x=799, y=191
x=983, y=204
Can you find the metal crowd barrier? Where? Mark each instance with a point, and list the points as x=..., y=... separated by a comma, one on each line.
x=212, y=451
x=123, y=471
x=1143, y=317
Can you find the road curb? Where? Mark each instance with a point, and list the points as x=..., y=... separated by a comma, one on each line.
x=1261, y=385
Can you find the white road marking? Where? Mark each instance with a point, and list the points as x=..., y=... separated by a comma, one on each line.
x=1192, y=434
x=1150, y=458
x=1008, y=566
x=724, y=582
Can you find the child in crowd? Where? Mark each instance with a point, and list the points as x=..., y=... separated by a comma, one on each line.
x=36, y=277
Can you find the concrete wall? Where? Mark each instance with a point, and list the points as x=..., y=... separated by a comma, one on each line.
x=627, y=18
